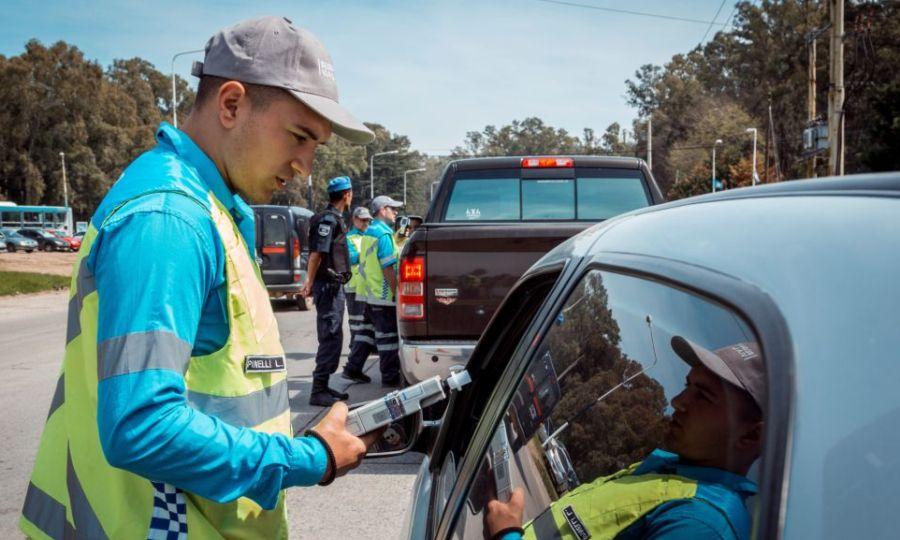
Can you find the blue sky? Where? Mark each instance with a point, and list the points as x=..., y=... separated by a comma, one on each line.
x=429, y=69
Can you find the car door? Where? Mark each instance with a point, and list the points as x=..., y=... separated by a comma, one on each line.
x=590, y=391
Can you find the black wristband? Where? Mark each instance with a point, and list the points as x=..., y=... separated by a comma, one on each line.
x=332, y=466
x=499, y=534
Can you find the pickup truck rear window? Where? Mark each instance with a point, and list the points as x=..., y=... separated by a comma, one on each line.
x=483, y=199
x=603, y=198
x=543, y=199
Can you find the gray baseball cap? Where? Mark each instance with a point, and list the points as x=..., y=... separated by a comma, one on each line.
x=740, y=364
x=272, y=51
x=361, y=212
x=381, y=201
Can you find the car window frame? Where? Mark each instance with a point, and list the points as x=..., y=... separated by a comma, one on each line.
x=753, y=305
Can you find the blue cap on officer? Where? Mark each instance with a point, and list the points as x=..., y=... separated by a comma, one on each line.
x=339, y=184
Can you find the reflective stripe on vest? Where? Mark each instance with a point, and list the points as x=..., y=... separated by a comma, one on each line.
x=373, y=288
x=607, y=506
x=73, y=491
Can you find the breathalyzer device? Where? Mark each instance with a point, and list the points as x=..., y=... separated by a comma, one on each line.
x=499, y=460
x=403, y=402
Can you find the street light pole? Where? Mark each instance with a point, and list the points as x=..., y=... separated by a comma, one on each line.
x=718, y=142
x=174, y=94
x=372, y=169
x=404, y=181
x=62, y=158
x=755, y=176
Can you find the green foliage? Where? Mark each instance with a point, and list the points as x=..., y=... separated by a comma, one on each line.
x=54, y=100
x=727, y=85
x=531, y=136
x=28, y=282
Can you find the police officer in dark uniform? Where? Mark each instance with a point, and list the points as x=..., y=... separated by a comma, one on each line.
x=329, y=269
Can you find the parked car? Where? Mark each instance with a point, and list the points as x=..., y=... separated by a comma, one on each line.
x=490, y=219
x=74, y=242
x=2, y=243
x=45, y=240
x=282, y=234
x=581, y=357
x=15, y=241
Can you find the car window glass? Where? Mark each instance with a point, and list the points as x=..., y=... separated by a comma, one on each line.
x=548, y=199
x=274, y=231
x=597, y=398
x=495, y=199
x=603, y=198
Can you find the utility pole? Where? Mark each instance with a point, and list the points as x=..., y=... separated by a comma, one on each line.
x=650, y=142
x=774, y=145
x=755, y=175
x=717, y=143
x=62, y=158
x=836, y=89
x=811, y=89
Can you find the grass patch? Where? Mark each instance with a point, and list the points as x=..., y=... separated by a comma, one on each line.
x=30, y=282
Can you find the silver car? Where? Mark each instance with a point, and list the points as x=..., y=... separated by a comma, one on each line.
x=16, y=242
x=578, y=369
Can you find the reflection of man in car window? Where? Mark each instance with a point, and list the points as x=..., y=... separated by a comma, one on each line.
x=695, y=489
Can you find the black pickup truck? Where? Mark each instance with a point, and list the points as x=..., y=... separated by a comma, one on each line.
x=489, y=221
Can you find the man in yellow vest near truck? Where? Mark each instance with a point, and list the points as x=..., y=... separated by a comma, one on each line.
x=171, y=416
x=695, y=490
x=378, y=286
x=362, y=331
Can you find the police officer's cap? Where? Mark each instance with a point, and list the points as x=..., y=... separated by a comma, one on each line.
x=340, y=183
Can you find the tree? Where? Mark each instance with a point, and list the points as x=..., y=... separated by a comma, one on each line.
x=54, y=100
x=603, y=436
x=761, y=62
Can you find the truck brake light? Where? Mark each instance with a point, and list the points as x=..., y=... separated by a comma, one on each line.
x=411, y=289
x=547, y=162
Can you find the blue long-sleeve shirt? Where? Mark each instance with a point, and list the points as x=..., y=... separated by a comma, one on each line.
x=159, y=269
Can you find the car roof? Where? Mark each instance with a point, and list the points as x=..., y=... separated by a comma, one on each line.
x=760, y=198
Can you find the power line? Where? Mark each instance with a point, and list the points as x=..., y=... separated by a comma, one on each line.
x=629, y=12
x=716, y=16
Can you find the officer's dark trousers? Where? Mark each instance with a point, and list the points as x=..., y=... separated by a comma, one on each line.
x=387, y=342
x=362, y=333
x=329, y=299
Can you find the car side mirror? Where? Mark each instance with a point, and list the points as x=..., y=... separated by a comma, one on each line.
x=397, y=438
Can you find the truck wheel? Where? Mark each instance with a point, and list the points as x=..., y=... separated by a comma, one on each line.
x=303, y=303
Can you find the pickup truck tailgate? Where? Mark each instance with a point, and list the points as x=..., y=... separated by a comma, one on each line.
x=469, y=277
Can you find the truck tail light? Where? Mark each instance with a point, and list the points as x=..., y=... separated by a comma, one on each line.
x=547, y=162
x=411, y=289
x=295, y=245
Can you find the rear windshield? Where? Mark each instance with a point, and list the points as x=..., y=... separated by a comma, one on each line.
x=586, y=198
x=274, y=230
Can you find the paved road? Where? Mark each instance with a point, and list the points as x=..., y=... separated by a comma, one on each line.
x=370, y=502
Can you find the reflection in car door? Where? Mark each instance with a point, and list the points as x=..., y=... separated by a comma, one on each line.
x=595, y=397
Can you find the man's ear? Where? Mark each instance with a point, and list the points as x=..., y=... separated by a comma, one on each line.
x=232, y=102
x=752, y=436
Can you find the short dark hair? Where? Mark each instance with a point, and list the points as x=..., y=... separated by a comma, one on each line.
x=335, y=196
x=260, y=96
